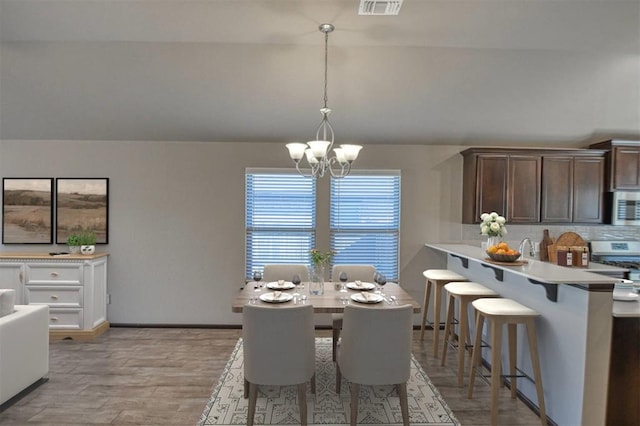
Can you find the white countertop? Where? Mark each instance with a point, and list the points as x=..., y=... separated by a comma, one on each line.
x=550, y=273
x=534, y=269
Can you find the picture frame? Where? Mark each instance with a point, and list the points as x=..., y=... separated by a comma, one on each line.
x=82, y=204
x=27, y=210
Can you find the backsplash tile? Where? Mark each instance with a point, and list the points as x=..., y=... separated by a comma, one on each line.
x=471, y=233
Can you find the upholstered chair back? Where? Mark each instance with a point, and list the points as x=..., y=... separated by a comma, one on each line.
x=284, y=272
x=354, y=272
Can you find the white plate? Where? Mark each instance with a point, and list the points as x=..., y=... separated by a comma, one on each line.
x=372, y=298
x=275, y=286
x=625, y=296
x=269, y=297
x=362, y=286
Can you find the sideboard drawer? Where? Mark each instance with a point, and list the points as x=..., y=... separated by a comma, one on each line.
x=70, y=274
x=70, y=319
x=56, y=296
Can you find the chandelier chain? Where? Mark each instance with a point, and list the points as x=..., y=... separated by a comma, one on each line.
x=326, y=56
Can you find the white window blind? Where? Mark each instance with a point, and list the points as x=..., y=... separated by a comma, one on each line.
x=365, y=220
x=280, y=217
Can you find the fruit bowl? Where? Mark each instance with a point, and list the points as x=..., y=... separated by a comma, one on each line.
x=504, y=257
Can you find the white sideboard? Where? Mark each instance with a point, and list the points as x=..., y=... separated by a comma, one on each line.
x=74, y=287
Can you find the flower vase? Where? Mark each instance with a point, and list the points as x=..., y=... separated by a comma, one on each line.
x=493, y=241
x=316, y=279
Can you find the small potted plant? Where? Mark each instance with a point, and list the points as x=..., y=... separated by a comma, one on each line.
x=73, y=241
x=87, y=241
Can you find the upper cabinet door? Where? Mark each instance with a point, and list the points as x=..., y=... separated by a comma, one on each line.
x=588, y=189
x=626, y=167
x=492, y=185
x=557, y=189
x=524, y=188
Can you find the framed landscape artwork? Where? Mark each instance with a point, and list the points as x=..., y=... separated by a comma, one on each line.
x=82, y=204
x=27, y=210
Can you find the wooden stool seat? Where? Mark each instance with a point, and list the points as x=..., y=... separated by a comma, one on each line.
x=436, y=278
x=500, y=312
x=465, y=292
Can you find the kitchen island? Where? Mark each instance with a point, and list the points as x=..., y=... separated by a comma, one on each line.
x=574, y=329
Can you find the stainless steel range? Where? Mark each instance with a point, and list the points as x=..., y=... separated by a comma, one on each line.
x=623, y=254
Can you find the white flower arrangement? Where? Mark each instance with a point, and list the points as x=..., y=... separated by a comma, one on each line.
x=493, y=225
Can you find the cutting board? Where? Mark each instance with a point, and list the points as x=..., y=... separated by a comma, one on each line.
x=567, y=239
x=570, y=239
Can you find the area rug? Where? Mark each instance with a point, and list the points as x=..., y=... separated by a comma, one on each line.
x=378, y=405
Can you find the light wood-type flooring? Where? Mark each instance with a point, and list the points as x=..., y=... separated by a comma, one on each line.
x=164, y=376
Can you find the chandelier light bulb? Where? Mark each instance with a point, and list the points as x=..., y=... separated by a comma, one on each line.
x=351, y=152
x=296, y=150
x=339, y=155
x=319, y=148
x=311, y=159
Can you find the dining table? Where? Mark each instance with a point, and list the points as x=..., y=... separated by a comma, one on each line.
x=331, y=301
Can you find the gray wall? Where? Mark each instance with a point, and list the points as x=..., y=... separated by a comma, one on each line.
x=176, y=224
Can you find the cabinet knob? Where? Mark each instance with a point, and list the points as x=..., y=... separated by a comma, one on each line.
x=54, y=274
x=54, y=297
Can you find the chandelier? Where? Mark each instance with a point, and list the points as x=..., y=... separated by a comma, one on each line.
x=317, y=151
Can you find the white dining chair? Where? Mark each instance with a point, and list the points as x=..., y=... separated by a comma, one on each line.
x=354, y=272
x=275, y=272
x=279, y=349
x=375, y=349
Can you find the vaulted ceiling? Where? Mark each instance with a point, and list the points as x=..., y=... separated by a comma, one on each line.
x=466, y=72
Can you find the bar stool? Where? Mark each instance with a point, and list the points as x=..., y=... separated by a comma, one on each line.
x=499, y=312
x=436, y=278
x=465, y=292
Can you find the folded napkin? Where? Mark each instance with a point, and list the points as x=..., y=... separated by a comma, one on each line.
x=366, y=296
x=276, y=295
x=358, y=283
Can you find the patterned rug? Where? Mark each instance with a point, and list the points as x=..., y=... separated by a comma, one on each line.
x=378, y=405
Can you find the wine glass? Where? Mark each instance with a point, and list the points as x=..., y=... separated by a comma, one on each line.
x=382, y=280
x=257, y=277
x=343, y=279
x=296, y=281
x=376, y=279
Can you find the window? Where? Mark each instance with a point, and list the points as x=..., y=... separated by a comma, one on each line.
x=280, y=218
x=365, y=220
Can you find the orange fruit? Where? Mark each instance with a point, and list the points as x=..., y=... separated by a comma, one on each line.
x=492, y=249
x=503, y=246
x=501, y=251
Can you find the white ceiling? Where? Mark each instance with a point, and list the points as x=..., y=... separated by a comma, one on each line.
x=509, y=72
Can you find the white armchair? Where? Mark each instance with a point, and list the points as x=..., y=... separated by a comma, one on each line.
x=24, y=349
x=387, y=333
x=279, y=349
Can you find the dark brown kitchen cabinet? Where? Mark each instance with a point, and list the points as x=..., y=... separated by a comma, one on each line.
x=534, y=185
x=501, y=181
x=524, y=189
x=572, y=189
x=623, y=164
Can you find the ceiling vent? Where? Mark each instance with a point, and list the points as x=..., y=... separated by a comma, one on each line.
x=379, y=7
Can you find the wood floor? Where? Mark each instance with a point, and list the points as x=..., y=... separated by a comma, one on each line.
x=155, y=376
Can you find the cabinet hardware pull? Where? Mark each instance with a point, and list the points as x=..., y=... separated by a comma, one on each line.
x=54, y=297
x=20, y=277
x=54, y=318
x=54, y=274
